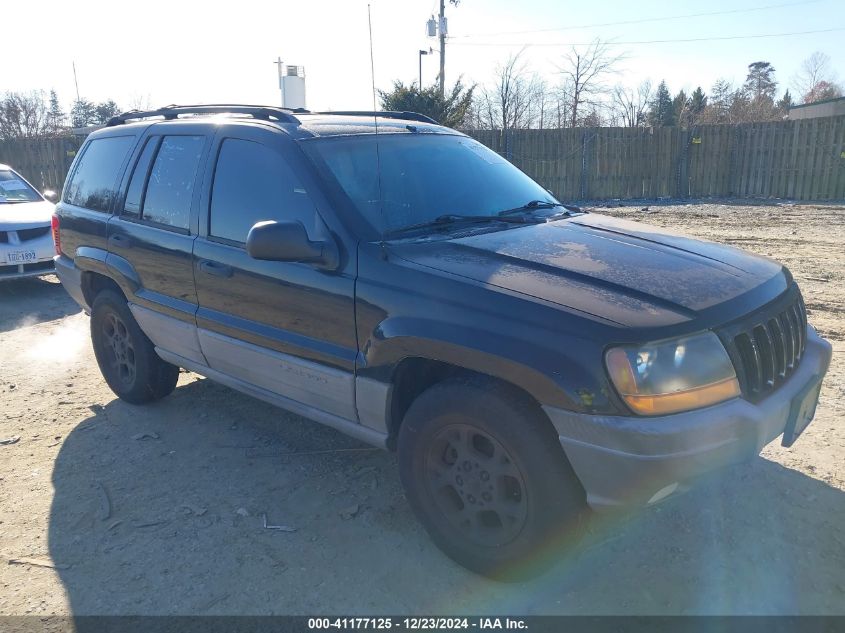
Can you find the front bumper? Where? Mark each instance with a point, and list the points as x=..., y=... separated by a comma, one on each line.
x=41, y=265
x=634, y=461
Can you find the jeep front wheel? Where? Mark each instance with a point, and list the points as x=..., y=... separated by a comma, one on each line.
x=485, y=473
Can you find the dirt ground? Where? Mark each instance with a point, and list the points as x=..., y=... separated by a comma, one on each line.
x=161, y=509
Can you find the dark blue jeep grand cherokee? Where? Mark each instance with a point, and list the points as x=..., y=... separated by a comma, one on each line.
x=400, y=282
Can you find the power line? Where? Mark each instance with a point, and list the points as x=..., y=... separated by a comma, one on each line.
x=642, y=20
x=631, y=43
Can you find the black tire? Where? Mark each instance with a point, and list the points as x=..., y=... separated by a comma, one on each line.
x=484, y=472
x=125, y=355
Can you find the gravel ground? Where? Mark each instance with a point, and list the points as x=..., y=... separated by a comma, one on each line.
x=108, y=508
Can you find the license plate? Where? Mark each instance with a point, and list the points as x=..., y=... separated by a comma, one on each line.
x=801, y=412
x=20, y=257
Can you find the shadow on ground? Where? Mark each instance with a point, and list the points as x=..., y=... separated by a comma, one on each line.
x=25, y=302
x=160, y=510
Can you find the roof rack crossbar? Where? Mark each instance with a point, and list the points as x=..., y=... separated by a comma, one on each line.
x=173, y=111
x=386, y=114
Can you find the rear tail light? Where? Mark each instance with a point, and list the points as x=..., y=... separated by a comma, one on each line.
x=54, y=225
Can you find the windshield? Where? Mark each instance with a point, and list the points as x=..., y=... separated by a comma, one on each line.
x=14, y=189
x=423, y=177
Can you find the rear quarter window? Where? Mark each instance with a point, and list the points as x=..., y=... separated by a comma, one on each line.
x=92, y=184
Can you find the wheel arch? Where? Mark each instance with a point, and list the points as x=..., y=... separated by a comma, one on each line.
x=413, y=375
x=94, y=282
x=101, y=269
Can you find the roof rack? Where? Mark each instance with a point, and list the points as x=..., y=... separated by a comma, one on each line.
x=386, y=114
x=171, y=112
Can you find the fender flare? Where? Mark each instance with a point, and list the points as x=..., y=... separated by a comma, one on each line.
x=513, y=361
x=116, y=268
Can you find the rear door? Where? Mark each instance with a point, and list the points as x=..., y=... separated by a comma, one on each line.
x=153, y=233
x=285, y=327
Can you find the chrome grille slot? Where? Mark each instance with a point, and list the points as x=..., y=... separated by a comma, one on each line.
x=779, y=344
x=766, y=355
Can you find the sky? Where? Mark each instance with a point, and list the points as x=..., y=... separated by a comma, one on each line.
x=214, y=52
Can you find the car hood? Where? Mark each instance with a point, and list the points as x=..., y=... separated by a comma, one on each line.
x=629, y=273
x=25, y=215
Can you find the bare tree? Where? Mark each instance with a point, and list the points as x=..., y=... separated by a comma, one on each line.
x=629, y=106
x=822, y=91
x=539, y=103
x=140, y=101
x=815, y=70
x=559, y=115
x=24, y=115
x=510, y=103
x=584, y=72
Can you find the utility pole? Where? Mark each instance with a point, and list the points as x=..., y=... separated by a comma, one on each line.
x=441, y=31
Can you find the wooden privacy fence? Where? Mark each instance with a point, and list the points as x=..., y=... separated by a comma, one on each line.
x=43, y=162
x=800, y=160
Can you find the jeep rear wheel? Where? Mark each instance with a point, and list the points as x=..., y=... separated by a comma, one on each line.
x=126, y=357
x=485, y=473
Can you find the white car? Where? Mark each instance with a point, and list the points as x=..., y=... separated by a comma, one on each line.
x=26, y=240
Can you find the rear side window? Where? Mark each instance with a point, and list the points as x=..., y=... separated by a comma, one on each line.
x=170, y=187
x=93, y=182
x=134, y=196
x=253, y=183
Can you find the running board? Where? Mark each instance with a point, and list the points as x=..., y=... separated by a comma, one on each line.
x=348, y=427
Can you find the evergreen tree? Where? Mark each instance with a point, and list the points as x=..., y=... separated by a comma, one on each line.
x=760, y=82
x=681, y=109
x=661, y=113
x=698, y=101
x=450, y=110
x=55, y=116
x=785, y=103
x=83, y=113
x=106, y=110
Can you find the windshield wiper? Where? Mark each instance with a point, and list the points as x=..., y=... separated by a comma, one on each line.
x=530, y=206
x=451, y=219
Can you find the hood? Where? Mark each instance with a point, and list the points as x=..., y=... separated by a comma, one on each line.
x=25, y=215
x=633, y=274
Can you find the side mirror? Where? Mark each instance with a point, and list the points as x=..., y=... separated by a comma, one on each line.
x=50, y=195
x=288, y=242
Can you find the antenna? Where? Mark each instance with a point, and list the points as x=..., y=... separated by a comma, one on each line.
x=75, y=82
x=375, y=122
x=372, y=63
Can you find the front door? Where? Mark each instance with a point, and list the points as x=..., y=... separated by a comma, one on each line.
x=285, y=327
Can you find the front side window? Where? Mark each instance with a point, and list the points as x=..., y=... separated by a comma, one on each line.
x=399, y=180
x=13, y=189
x=170, y=187
x=93, y=182
x=253, y=183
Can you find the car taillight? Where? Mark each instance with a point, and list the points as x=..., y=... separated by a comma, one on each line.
x=54, y=224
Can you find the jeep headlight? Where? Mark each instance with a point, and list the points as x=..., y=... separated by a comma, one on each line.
x=671, y=376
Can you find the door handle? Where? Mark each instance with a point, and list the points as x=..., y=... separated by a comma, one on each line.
x=215, y=268
x=120, y=241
